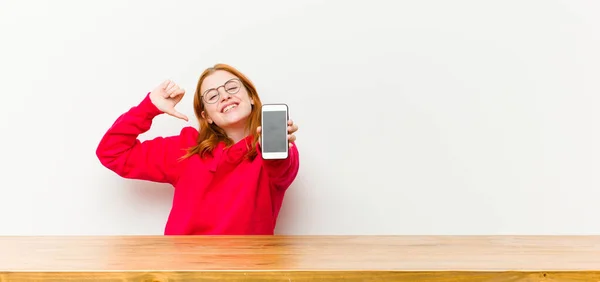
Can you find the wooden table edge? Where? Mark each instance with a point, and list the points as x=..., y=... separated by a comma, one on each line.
x=304, y=275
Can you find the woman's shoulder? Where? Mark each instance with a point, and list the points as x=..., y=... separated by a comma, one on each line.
x=180, y=143
x=188, y=136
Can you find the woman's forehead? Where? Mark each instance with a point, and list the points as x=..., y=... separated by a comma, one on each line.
x=216, y=79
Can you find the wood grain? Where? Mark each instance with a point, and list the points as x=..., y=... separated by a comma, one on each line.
x=444, y=276
x=301, y=258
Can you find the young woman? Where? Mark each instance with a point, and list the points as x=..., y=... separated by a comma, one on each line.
x=222, y=184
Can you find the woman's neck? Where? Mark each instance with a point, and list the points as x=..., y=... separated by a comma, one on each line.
x=236, y=133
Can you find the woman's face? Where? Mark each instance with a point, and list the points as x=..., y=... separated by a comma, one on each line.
x=226, y=100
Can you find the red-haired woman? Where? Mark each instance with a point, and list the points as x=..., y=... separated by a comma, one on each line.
x=222, y=185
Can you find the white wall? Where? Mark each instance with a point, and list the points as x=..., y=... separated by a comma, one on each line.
x=416, y=117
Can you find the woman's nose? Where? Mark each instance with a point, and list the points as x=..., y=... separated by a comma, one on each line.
x=224, y=94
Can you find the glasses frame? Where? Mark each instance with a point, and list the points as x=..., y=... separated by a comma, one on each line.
x=219, y=93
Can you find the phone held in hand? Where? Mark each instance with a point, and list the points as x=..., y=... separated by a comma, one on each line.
x=274, y=141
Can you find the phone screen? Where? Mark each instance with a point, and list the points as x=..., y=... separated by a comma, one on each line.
x=274, y=131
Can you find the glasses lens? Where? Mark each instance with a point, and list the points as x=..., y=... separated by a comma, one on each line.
x=232, y=86
x=211, y=96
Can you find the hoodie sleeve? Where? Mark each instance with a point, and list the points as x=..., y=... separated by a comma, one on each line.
x=122, y=152
x=283, y=172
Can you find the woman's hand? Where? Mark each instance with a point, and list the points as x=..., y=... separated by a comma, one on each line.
x=166, y=96
x=292, y=128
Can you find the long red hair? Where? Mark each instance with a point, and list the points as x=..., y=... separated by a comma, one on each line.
x=210, y=134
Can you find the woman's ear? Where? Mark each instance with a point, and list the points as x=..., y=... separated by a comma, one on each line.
x=206, y=117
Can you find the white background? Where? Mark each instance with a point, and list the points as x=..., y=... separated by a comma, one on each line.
x=416, y=117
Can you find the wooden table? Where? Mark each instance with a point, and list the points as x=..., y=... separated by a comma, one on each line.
x=301, y=258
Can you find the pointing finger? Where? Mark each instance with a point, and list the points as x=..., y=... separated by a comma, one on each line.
x=177, y=114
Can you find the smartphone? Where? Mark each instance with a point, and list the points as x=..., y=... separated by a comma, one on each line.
x=274, y=142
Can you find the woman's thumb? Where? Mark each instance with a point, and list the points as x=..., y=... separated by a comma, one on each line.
x=177, y=114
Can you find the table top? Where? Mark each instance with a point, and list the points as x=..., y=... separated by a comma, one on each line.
x=300, y=253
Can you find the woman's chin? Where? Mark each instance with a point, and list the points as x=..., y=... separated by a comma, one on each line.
x=233, y=120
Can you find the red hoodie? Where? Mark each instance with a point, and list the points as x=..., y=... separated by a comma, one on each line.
x=223, y=194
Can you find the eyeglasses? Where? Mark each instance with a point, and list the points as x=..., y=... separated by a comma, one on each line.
x=212, y=95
